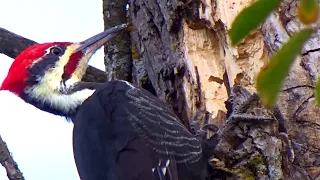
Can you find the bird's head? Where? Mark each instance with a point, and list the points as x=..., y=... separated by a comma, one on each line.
x=43, y=74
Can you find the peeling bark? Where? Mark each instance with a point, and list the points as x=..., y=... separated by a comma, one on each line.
x=158, y=38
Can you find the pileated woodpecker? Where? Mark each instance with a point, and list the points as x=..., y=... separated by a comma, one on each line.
x=120, y=131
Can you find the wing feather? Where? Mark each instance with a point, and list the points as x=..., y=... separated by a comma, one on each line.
x=161, y=128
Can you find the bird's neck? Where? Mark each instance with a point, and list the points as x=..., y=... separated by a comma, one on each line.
x=64, y=103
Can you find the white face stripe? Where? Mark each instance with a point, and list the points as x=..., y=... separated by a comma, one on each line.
x=64, y=102
x=50, y=82
x=49, y=87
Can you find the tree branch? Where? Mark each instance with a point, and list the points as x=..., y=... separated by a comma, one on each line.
x=12, y=45
x=8, y=163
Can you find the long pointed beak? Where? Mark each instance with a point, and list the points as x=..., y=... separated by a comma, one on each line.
x=89, y=46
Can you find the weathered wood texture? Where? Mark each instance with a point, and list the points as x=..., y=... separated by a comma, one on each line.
x=12, y=45
x=118, y=59
x=159, y=40
x=298, y=104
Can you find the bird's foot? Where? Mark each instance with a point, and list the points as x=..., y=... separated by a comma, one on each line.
x=199, y=131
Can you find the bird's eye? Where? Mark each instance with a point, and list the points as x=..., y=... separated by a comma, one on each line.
x=56, y=51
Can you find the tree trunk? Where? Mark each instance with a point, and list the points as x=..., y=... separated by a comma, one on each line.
x=118, y=59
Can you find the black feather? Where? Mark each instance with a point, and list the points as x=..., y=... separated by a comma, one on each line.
x=122, y=132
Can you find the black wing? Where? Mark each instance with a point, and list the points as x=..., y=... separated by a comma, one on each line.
x=158, y=125
x=128, y=129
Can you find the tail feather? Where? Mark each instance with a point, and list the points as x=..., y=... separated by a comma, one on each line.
x=166, y=170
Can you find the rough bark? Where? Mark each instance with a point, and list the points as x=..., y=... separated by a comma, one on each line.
x=298, y=104
x=118, y=58
x=12, y=45
x=159, y=42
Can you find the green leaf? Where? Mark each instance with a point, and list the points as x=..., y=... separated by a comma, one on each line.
x=271, y=77
x=308, y=5
x=308, y=11
x=250, y=18
x=317, y=92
